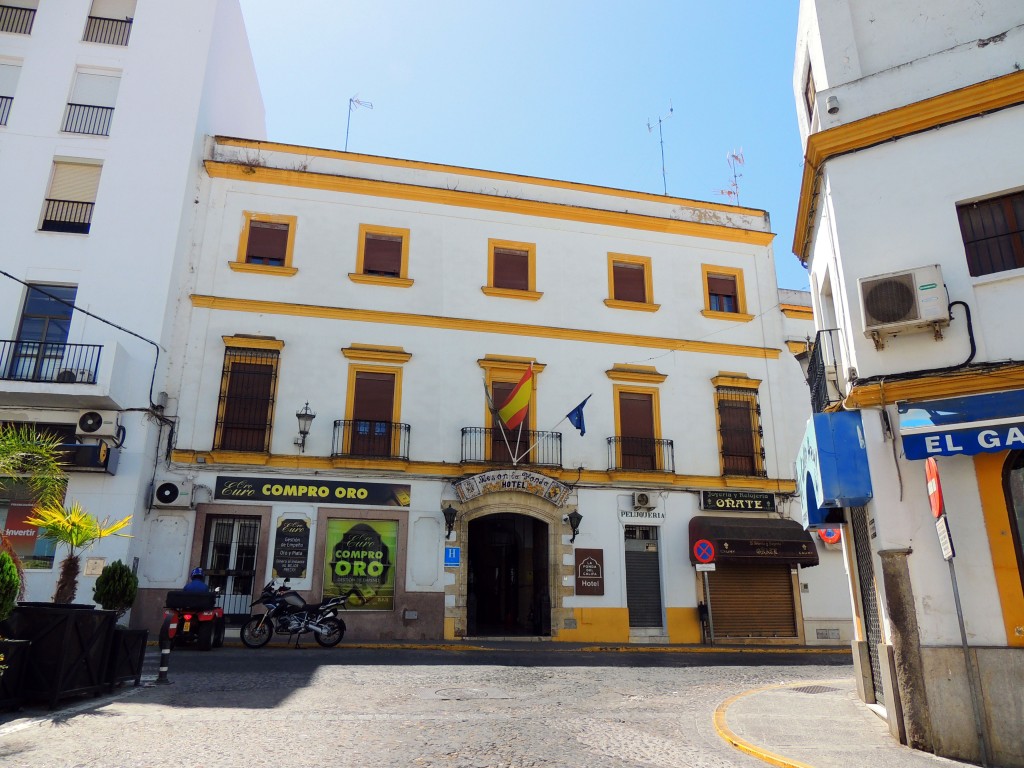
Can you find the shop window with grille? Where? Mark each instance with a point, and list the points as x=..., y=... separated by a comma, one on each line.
x=740, y=432
x=993, y=233
x=246, y=409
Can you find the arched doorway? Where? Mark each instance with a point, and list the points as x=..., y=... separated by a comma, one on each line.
x=507, y=591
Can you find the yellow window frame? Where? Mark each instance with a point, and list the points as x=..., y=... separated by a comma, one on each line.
x=727, y=379
x=402, y=281
x=655, y=394
x=740, y=315
x=237, y=345
x=396, y=406
x=531, y=293
x=642, y=306
x=241, y=265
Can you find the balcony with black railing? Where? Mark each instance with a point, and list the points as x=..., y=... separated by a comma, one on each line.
x=16, y=20
x=823, y=371
x=87, y=119
x=641, y=454
x=51, y=362
x=5, y=108
x=107, y=31
x=488, y=445
x=67, y=216
x=365, y=439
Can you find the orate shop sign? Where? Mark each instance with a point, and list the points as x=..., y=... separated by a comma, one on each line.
x=310, y=490
x=737, y=500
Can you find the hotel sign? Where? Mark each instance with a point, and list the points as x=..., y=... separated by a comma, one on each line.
x=518, y=480
x=736, y=501
x=589, y=571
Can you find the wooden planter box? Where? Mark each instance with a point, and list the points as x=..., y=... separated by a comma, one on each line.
x=69, y=651
x=15, y=653
x=127, y=652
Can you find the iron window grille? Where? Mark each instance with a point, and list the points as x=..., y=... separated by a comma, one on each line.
x=107, y=31
x=245, y=413
x=993, y=233
x=739, y=419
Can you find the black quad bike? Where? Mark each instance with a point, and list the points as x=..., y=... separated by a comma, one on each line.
x=289, y=614
x=196, y=619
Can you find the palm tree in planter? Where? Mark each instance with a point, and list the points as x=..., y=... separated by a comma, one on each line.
x=33, y=461
x=76, y=529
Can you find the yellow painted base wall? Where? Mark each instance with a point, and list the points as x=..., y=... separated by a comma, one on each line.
x=597, y=625
x=683, y=625
x=449, y=629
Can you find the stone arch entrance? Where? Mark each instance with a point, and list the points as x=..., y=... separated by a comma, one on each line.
x=509, y=583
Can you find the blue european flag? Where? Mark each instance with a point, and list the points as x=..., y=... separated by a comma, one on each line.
x=575, y=416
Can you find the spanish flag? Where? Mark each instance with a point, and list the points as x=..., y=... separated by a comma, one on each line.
x=515, y=408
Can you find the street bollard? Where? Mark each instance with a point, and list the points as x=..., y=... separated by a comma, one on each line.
x=166, y=639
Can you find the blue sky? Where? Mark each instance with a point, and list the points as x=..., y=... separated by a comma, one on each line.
x=557, y=89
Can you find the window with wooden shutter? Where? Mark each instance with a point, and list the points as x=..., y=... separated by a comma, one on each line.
x=382, y=256
x=373, y=413
x=637, y=432
x=505, y=442
x=993, y=233
x=267, y=244
x=246, y=412
x=722, y=294
x=511, y=270
x=739, y=425
x=630, y=284
x=69, y=202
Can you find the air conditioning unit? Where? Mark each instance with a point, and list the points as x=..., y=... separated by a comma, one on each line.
x=74, y=376
x=898, y=302
x=172, y=494
x=91, y=457
x=644, y=500
x=97, y=424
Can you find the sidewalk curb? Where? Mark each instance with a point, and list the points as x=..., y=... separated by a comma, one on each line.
x=742, y=744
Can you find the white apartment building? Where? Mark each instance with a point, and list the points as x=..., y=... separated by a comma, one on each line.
x=911, y=220
x=390, y=300
x=104, y=108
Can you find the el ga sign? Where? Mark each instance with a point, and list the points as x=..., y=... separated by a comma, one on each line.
x=963, y=426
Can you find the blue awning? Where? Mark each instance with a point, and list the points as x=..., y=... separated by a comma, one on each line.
x=832, y=468
x=963, y=426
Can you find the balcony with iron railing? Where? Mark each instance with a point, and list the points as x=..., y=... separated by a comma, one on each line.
x=52, y=362
x=823, y=370
x=88, y=119
x=16, y=20
x=366, y=439
x=641, y=454
x=107, y=31
x=67, y=216
x=488, y=445
x=5, y=108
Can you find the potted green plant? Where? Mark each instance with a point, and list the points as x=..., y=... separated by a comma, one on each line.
x=70, y=647
x=13, y=653
x=115, y=590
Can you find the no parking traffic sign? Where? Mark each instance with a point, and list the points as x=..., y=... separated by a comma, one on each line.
x=704, y=551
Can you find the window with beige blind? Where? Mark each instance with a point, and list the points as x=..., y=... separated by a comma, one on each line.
x=69, y=202
x=9, y=74
x=91, y=106
x=109, y=22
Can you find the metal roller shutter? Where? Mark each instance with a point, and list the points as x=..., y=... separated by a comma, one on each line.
x=752, y=601
x=643, y=589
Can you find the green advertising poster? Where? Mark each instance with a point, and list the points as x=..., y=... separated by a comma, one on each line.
x=360, y=563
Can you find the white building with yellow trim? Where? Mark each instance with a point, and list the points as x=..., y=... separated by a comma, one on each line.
x=393, y=300
x=911, y=220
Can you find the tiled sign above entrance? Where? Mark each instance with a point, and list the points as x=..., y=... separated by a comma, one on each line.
x=513, y=480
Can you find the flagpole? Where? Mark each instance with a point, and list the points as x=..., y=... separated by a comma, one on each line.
x=496, y=418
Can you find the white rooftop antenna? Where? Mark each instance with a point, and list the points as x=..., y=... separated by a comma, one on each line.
x=734, y=158
x=661, y=140
x=354, y=103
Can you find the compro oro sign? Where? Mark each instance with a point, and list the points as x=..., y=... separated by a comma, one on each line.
x=310, y=490
x=359, y=563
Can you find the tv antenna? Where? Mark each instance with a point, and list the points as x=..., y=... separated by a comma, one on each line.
x=661, y=141
x=353, y=104
x=734, y=159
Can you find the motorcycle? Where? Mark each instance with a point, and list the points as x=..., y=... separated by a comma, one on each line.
x=288, y=613
x=196, y=619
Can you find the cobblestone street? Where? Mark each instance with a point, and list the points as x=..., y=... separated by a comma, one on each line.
x=373, y=707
